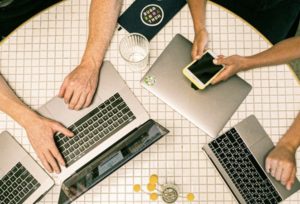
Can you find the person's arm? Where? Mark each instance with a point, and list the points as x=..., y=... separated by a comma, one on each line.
x=197, y=8
x=283, y=52
x=80, y=85
x=281, y=161
x=40, y=130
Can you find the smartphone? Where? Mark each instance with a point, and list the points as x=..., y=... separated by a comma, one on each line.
x=201, y=72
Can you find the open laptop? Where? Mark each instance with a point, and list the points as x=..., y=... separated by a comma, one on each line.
x=239, y=156
x=208, y=109
x=115, y=112
x=110, y=160
x=22, y=180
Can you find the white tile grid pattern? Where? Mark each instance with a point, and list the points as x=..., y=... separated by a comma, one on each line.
x=39, y=55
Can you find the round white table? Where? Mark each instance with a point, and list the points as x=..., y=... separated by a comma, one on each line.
x=36, y=58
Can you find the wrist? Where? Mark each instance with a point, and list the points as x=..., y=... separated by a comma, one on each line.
x=31, y=119
x=90, y=62
x=246, y=63
x=200, y=28
x=289, y=142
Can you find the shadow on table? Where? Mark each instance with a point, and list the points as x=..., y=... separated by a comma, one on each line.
x=275, y=19
x=15, y=12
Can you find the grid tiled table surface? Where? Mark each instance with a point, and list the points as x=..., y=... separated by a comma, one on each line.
x=36, y=58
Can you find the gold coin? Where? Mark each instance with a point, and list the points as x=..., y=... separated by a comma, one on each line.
x=151, y=187
x=153, y=196
x=153, y=179
x=190, y=197
x=137, y=188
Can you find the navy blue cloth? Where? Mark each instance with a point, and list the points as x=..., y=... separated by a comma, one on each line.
x=275, y=19
x=19, y=11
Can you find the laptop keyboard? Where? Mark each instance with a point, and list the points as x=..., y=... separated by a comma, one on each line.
x=243, y=169
x=17, y=185
x=99, y=124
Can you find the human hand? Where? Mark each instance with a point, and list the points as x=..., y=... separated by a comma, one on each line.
x=40, y=134
x=200, y=43
x=281, y=164
x=79, y=86
x=233, y=64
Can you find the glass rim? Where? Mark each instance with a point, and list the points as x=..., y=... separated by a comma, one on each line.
x=127, y=36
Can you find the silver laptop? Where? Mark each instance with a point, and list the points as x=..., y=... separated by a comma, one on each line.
x=209, y=109
x=239, y=156
x=22, y=179
x=115, y=111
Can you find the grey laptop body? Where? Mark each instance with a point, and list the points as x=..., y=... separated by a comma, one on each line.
x=239, y=156
x=115, y=112
x=22, y=180
x=209, y=109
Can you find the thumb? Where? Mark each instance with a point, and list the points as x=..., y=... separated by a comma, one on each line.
x=60, y=128
x=219, y=61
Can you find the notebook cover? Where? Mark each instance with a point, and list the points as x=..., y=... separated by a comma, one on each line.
x=148, y=17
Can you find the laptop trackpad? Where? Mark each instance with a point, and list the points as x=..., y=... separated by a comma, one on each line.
x=60, y=112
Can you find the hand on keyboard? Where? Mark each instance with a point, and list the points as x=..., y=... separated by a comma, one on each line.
x=41, y=133
x=281, y=164
x=79, y=86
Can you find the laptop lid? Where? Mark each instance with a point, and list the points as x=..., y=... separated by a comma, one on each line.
x=149, y=17
x=208, y=109
x=20, y=176
x=109, y=161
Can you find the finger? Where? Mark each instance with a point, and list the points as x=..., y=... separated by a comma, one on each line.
x=45, y=162
x=222, y=76
x=62, y=89
x=279, y=172
x=200, y=50
x=81, y=101
x=286, y=174
x=89, y=99
x=291, y=180
x=75, y=99
x=194, y=52
x=268, y=165
x=68, y=95
x=52, y=161
x=60, y=128
x=274, y=166
x=56, y=154
x=219, y=61
x=220, y=57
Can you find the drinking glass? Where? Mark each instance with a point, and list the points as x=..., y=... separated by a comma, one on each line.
x=134, y=49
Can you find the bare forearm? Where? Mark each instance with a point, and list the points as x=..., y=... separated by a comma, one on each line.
x=197, y=8
x=13, y=106
x=292, y=136
x=102, y=22
x=282, y=52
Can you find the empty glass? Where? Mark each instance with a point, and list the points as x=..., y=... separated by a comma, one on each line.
x=134, y=49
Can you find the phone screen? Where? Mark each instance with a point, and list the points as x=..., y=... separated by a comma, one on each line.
x=204, y=69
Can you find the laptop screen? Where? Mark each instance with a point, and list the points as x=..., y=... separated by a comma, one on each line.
x=110, y=160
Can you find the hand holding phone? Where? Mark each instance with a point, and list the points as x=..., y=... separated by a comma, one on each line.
x=201, y=72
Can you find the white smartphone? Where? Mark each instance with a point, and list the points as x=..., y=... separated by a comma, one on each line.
x=201, y=72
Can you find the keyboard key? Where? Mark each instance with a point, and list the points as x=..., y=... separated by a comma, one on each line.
x=125, y=110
